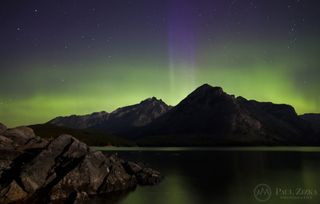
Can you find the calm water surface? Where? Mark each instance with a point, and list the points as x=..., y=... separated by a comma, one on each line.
x=224, y=175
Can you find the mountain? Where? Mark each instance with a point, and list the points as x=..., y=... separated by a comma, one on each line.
x=80, y=121
x=313, y=119
x=119, y=120
x=133, y=116
x=206, y=117
x=209, y=116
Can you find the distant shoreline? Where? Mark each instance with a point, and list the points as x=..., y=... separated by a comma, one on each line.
x=244, y=149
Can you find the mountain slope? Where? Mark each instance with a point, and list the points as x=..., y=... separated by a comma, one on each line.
x=137, y=115
x=313, y=119
x=80, y=121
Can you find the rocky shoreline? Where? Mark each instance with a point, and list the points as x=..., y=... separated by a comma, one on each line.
x=60, y=170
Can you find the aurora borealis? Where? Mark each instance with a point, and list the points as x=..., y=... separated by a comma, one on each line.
x=80, y=56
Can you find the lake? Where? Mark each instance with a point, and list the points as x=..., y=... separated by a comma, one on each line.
x=224, y=175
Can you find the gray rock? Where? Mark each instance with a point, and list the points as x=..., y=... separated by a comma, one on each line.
x=41, y=170
x=118, y=179
x=34, y=170
x=12, y=193
x=81, y=197
x=132, y=167
x=33, y=145
x=145, y=176
x=148, y=176
x=20, y=135
x=4, y=166
x=92, y=171
x=5, y=142
x=3, y=128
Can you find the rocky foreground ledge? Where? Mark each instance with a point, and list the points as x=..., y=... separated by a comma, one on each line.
x=35, y=170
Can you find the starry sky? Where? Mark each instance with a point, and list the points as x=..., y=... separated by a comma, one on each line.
x=79, y=56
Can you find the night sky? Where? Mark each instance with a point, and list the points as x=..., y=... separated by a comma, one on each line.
x=61, y=57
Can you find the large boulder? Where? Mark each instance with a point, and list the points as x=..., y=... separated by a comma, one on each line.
x=92, y=171
x=44, y=168
x=34, y=170
x=20, y=135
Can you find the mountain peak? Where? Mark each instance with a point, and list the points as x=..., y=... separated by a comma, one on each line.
x=206, y=91
x=205, y=96
x=209, y=88
x=151, y=100
x=205, y=86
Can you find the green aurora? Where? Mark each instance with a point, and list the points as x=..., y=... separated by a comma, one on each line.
x=100, y=85
x=104, y=57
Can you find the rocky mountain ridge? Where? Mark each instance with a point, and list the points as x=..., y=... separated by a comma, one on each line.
x=209, y=117
x=217, y=118
x=126, y=117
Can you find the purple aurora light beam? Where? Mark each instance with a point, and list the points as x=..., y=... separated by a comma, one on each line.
x=181, y=41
